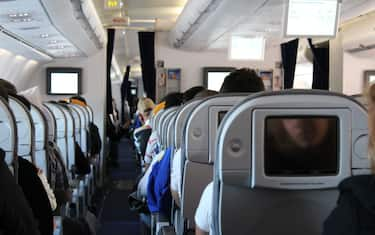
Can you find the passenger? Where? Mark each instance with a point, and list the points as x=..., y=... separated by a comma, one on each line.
x=152, y=150
x=192, y=92
x=142, y=134
x=171, y=100
x=355, y=211
x=16, y=216
x=242, y=80
x=176, y=162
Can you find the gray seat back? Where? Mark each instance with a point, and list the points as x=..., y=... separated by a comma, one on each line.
x=61, y=128
x=25, y=129
x=171, y=131
x=70, y=138
x=8, y=135
x=198, y=144
x=41, y=137
x=164, y=130
x=161, y=124
x=77, y=122
x=261, y=185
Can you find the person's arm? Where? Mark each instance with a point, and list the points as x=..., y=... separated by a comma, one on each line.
x=199, y=231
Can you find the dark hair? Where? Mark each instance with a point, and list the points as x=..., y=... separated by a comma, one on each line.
x=206, y=93
x=4, y=93
x=80, y=98
x=192, y=92
x=242, y=80
x=8, y=86
x=173, y=99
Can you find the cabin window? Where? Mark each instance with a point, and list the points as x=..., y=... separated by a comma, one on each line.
x=303, y=77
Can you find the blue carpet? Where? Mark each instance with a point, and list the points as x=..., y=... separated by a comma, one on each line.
x=116, y=218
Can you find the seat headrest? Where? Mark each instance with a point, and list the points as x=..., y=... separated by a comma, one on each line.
x=317, y=137
x=200, y=131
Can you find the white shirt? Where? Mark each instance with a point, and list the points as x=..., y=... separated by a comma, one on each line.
x=142, y=185
x=203, y=214
x=176, y=173
x=152, y=147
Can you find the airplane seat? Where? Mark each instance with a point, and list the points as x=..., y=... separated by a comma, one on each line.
x=179, y=124
x=60, y=124
x=70, y=138
x=162, y=126
x=198, y=150
x=41, y=138
x=280, y=157
x=25, y=129
x=8, y=135
x=77, y=123
x=170, y=131
x=164, y=131
x=51, y=123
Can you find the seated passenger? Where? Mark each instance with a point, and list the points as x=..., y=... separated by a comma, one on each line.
x=171, y=100
x=142, y=134
x=242, y=80
x=176, y=173
x=355, y=210
x=16, y=216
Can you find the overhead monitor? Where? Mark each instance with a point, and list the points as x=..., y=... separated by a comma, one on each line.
x=64, y=81
x=247, y=48
x=214, y=76
x=311, y=18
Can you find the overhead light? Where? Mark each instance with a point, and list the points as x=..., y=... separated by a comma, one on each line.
x=247, y=48
x=123, y=32
x=151, y=21
x=52, y=42
x=44, y=35
x=12, y=15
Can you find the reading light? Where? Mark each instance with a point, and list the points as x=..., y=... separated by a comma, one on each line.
x=247, y=48
x=44, y=35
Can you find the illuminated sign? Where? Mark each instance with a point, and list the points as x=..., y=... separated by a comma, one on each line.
x=112, y=4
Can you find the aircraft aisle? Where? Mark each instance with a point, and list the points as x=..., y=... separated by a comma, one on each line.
x=116, y=218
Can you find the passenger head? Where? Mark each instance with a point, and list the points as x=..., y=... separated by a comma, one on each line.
x=242, y=80
x=145, y=107
x=371, y=123
x=173, y=99
x=192, y=92
x=4, y=93
x=8, y=86
x=158, y=107
x=206, y=93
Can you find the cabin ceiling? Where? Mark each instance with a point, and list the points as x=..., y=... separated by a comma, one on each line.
x=29, y=21
x=144, y=15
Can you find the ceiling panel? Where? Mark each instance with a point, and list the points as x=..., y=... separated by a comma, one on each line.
x=28, y=20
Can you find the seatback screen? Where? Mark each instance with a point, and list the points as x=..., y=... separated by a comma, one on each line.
x=301, y=146
x=220, y=117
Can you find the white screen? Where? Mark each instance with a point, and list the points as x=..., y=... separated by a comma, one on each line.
x=215, y=80
x=247, y=48
x=64, y=83
x=312, y=18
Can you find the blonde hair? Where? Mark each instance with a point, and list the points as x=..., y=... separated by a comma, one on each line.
x=371, y=124
x=145, y=106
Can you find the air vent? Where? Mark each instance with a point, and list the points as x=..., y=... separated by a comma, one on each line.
x=29, y=28
x=362, y=48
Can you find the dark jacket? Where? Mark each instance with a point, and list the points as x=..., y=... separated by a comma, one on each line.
x=36, y=195
x=355, y=210
x=16, y=217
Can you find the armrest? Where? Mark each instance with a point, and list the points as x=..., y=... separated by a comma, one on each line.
x=167, y=230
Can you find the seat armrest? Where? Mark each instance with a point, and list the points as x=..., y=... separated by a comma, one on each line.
x=167, y=230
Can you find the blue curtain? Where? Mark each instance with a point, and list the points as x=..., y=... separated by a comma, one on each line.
x=321, y=67
x=147, y=51
x=124, y=92
x=110, y=44
x=289, y=60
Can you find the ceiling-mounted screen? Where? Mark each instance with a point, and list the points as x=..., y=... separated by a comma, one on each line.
x=214, y=77
x=64, y=81
x=311, y=18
